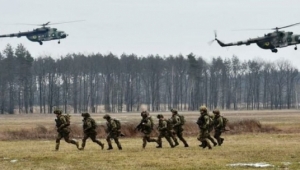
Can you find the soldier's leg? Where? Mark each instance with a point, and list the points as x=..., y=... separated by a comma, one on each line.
x=168, y=138
x=149, y=139
x=109, y=142
x=57, y=141
x=85, y=137
x=212, y=140
x=180, y=136
x=205, y=138
x=173, y=137
x=144, y=141
x=217, y=135
x=117, y=142
x=93, y=137
x=159, y=141
x=199, y=139
x=72, y=141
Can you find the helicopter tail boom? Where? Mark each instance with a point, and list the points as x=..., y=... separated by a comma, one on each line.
x=233, y=44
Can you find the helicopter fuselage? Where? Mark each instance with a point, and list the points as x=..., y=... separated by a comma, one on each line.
x=40, y=34
x=276, y=39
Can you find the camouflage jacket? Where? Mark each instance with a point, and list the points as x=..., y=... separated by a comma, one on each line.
x=162, y=125
x=111, y=126
x=89, y=125
x=61, y=123
x=218, y=122
x=203, y=122
x=176, y=122
x=146, y=125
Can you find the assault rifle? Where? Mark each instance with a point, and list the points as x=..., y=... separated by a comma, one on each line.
x=139, y=126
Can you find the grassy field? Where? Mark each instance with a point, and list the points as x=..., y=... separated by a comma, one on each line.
x=279, y=149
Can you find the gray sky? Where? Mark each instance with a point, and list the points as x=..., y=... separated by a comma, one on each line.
x=143, y=27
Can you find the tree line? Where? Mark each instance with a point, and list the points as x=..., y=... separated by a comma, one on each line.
x=109, y=83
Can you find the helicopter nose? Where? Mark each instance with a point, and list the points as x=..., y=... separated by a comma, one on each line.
x=64, y=35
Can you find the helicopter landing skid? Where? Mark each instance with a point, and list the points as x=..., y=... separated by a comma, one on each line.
x=41, y=43
x=274, y=50
x=295, y=47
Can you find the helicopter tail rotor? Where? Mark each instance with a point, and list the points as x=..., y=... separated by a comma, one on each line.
x=210, y=42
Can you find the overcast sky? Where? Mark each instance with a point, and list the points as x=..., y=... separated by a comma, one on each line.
x=143, y=27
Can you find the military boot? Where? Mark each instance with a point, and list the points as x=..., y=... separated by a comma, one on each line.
x=57, y=146
x=221, y=141
x=109, y=147
x=144, y=145
x=159, y=145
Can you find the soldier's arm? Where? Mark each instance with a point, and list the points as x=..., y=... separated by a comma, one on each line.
x=63, y=122
x=163, y=126
x=88, y=125
x=113, y=126
x=206, y=122
x=219, y=122
x=147, y=123
x=176, y=121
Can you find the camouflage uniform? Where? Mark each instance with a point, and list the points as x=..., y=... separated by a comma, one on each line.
x=112, y=132
x=203, y=123
x=146, y=128
x=63, y=130
x=218, y=126
x=172, y=132
x=163, y=131
x=89, y=129
x=177, y=127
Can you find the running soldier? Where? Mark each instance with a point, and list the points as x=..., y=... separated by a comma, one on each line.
x=163, y=131
x=89, y=130
x=177, y=126
x=113, y=131
x=63, y=129
x=203, y=123
x=218, y=126
x=146, y=127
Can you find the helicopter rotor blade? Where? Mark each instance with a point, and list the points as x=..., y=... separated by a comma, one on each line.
x=277, y=28
x=210, y=42
x=65, y=22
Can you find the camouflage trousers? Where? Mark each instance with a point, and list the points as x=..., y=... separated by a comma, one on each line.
x=166, y=135
x=217, y=135
x=204, y=136
x=179, y=132
x=115, y=136
x=147, y=138
x=65, y=133
x=91, y=135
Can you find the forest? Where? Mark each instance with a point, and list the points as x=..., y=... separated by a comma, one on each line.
x=99, y=82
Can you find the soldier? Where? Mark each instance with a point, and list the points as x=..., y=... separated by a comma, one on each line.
x=171, y=132
x=203, y=123
x=163, y=131
x=177, y=127
x=218, y=126
x=112, y=132
x=89, y=130
x=63, y=129
x=146, y=127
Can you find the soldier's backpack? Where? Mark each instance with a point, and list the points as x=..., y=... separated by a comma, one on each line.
x=118, y=124
x=182, y=119
x=225, y=122
x=152, y=122
x=68, y=118
x=94, y=124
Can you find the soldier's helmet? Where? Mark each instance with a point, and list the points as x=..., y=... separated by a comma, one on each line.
x=174, y=111
x=57, y=111
x=216, y=111
x=159, y=116
x=106, y=116
x=144, y=113
x=85, y=115
x=203, y=108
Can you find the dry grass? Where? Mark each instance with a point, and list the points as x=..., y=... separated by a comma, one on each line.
x=275, y=149
x=264, y=136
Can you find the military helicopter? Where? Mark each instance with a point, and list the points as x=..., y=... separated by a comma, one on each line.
x=42, y=34
x=272, y=41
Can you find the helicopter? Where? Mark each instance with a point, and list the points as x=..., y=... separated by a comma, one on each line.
x=43, y=33
x=271, y=41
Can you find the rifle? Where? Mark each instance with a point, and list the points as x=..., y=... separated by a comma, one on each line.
x=139, y=126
